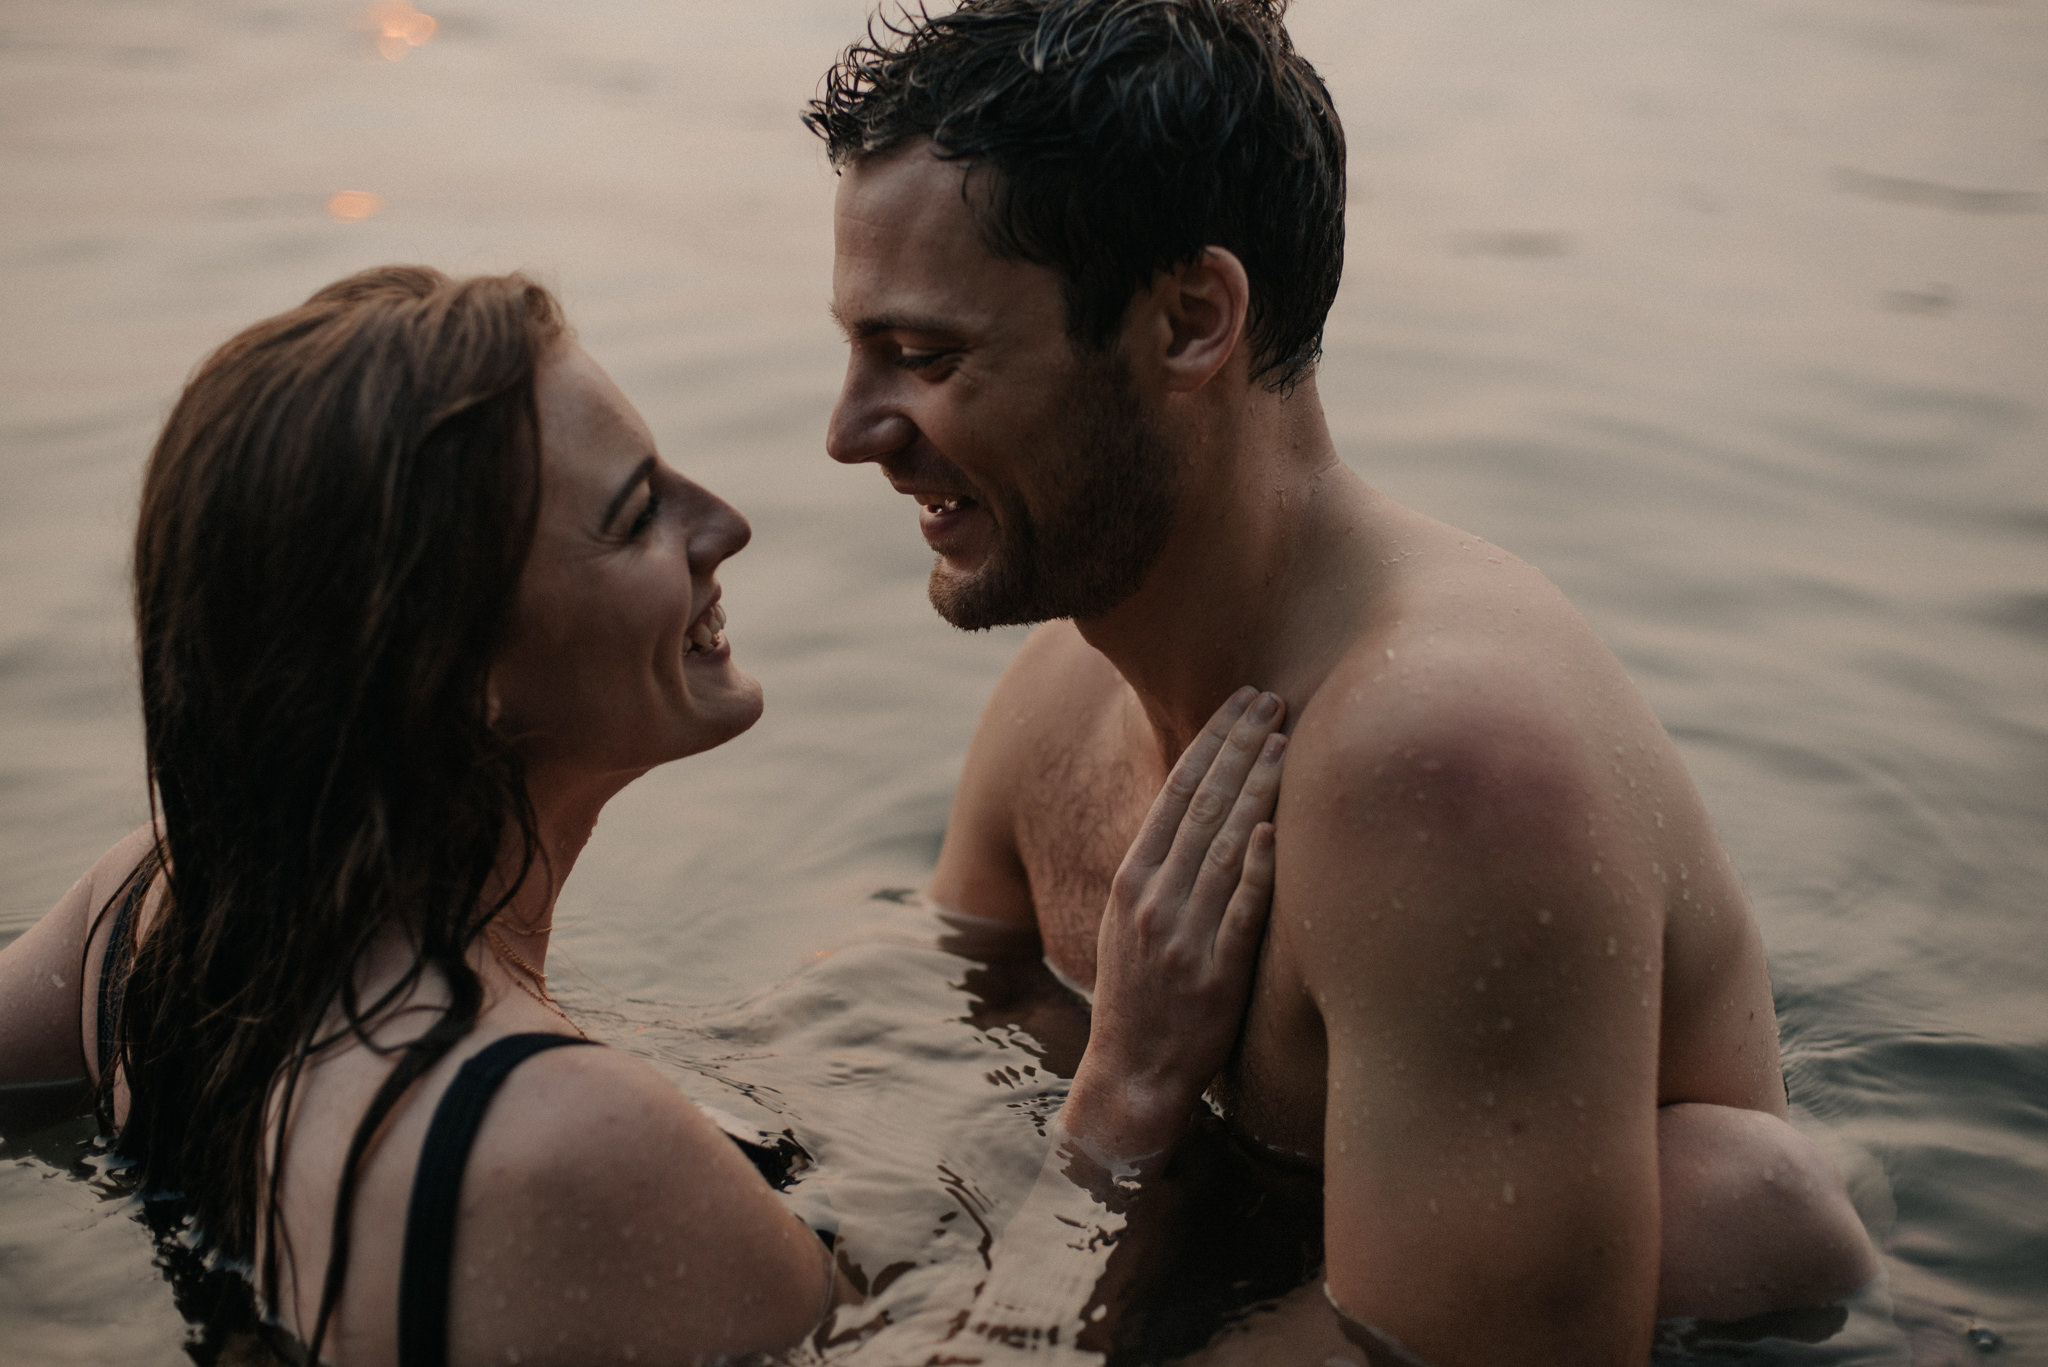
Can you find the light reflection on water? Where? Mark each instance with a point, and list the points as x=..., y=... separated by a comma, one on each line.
x=1732, y=317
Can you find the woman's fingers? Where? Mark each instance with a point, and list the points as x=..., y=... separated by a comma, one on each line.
x=1162, y=823
x=1244, y=920
x=1235, y=794
x=1220, y=867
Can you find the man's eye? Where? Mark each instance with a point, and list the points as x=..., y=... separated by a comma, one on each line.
x=918, y=360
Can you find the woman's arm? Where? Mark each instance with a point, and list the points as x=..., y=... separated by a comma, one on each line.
x=1177, y=947
x=44, y=1072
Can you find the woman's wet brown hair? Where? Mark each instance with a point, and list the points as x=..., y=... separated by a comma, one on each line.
x=332, y=530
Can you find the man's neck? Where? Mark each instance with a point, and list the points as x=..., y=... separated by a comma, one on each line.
x=1254, y=585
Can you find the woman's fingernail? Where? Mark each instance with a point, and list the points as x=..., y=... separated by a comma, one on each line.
x=1267, y=707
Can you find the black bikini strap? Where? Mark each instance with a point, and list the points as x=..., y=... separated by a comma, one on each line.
x=426, y=1274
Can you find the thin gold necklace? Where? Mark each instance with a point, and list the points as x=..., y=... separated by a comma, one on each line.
x=538, y=988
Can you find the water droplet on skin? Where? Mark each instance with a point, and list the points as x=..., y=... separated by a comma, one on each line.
x=1596, y=866
x=1506, y=1025
x=56, y=980
x=1612, y=946
x=1507, y=1193
x=1487, y=1099
x=1543, y=917
x=1390, y=652
x=1479, y=984
x=1660, y=821
x=1433, y=1207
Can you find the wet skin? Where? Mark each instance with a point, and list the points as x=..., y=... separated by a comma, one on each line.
x=1512, y=1004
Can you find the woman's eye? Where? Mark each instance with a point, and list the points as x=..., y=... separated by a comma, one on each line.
x=645, y=517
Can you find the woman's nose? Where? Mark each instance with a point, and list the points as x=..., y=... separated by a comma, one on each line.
x=719, y=531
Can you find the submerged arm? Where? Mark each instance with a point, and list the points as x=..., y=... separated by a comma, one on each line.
x=1177, y=947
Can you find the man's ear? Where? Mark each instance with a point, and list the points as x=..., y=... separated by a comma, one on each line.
x=1203, y=306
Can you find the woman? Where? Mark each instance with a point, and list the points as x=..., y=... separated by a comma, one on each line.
x=415, y=597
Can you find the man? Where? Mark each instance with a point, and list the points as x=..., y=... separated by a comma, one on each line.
x=1513, y=1004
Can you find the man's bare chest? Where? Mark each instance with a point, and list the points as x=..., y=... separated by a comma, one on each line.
x=1076, y=816
x=1077, y=813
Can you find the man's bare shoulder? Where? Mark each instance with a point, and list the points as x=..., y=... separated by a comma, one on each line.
x=1053, y=673
x=1049, y=705
x=1474, y=661
x=1478, y=756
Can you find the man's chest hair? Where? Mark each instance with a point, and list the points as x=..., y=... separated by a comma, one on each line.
x=1078, y=807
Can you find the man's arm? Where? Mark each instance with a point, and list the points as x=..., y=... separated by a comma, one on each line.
x=1463, y=893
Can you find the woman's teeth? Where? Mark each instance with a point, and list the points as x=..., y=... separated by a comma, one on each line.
x=704, y=631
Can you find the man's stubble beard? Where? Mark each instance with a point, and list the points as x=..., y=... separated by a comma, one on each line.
x=1117, y=500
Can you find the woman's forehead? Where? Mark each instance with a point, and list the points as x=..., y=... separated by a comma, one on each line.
x=589, y=430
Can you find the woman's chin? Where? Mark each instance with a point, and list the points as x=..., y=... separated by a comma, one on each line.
x=722, y=707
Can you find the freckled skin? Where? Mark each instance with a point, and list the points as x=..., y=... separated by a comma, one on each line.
x=1508, y=966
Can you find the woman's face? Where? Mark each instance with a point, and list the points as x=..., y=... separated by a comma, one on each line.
x=617, y=659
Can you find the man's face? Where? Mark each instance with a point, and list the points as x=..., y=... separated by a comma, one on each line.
x=1043, y=487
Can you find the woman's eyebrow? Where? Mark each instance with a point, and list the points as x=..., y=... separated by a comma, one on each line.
x=640, y=473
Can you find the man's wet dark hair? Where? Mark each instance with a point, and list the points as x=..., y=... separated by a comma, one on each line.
x=1125, y=137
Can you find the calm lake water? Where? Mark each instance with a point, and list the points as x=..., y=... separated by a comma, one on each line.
x=1732, y=315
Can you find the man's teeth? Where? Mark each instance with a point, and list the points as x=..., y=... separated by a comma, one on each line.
x=947, y=505
x=704, y=631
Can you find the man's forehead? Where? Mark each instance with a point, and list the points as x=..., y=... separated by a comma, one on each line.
x=908, y=250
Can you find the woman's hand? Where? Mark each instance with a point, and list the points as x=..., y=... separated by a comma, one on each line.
x=1180, y=938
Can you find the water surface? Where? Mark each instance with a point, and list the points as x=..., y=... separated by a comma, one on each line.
x=1732, y=315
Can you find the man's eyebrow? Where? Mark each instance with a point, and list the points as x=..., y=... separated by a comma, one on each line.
x=611, y=510
x=875, y=324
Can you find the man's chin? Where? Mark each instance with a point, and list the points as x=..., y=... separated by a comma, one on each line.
x=971, y=602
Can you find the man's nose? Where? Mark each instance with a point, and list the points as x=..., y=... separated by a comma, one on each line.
x=864, y=425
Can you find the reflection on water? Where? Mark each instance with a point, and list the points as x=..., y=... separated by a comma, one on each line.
x=1731, y=317
x=397, y=28
x=351, y=206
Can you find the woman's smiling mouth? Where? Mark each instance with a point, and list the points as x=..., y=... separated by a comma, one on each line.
x=704, y=637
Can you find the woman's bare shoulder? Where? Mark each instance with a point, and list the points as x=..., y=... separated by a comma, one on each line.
x=603, y=1211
